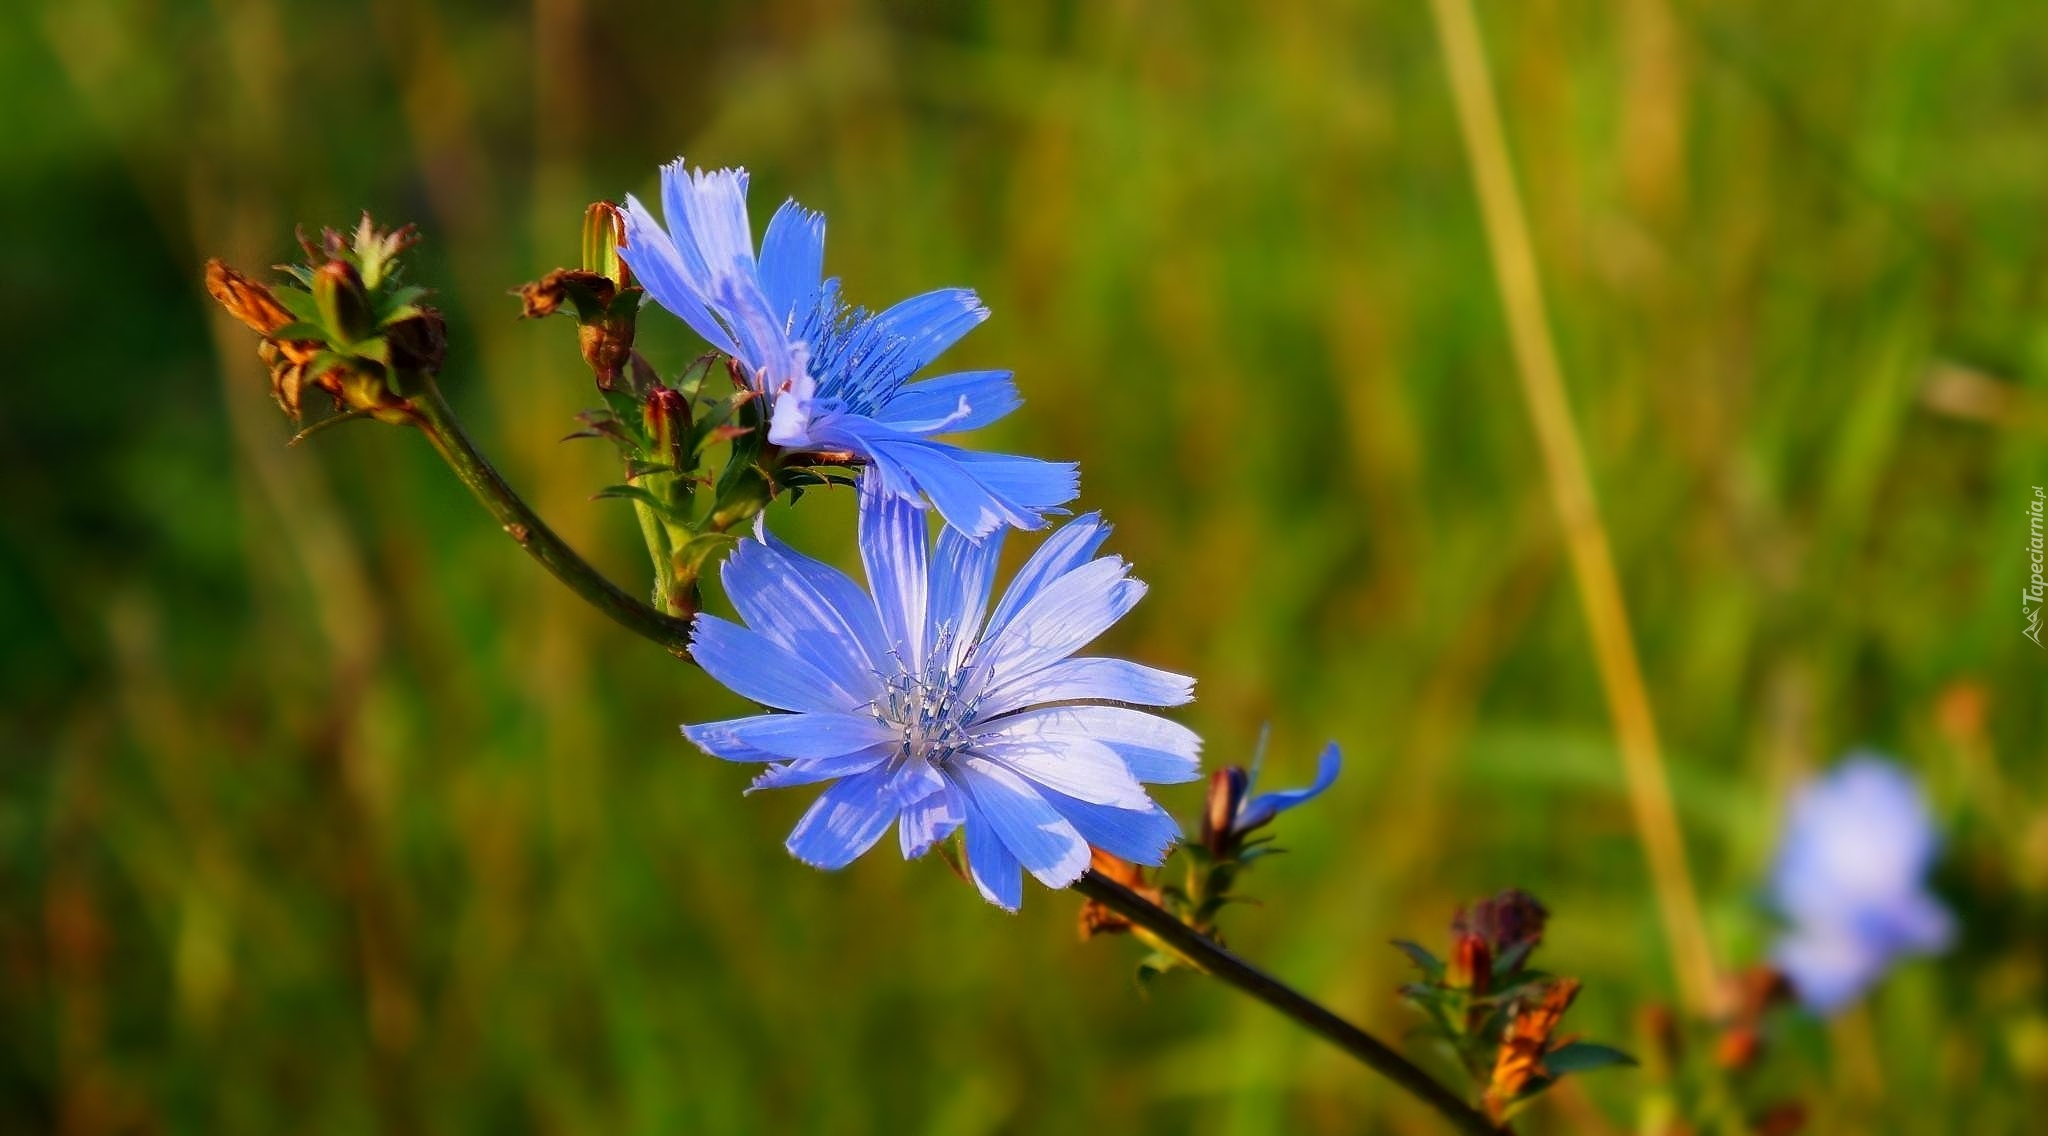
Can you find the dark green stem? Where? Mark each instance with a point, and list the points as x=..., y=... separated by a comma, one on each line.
x=1210, y=956
x=437, y=420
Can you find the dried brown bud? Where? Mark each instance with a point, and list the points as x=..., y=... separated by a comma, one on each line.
x=1528, y=1038
x=1097, y=919
x=1511, y=923
x=245, y=299
x=545, y=296
x=1755, y=991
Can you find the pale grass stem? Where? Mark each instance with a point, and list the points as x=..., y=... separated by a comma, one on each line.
x=1621, y=676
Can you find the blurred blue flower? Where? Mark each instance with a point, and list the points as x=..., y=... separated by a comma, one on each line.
x=1256, y=811
x=837, y=377
x=926, y=709
x=1850, y=880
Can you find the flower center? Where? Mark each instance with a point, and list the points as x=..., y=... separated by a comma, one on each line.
x=931, y=707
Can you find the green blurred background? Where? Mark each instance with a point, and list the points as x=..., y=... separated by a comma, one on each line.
x=323, y=810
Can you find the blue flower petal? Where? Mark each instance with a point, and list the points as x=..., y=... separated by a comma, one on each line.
x=921, y=328
x=931, y=820
x=718, y=740
x=893, y=542
x=812, y=770
x=963, y=571
x=778, y=600
x=1065, y=616
x=840, y=593
x=1142, y=836
x=935, y=405
x=1070, y=546
x=1266, y=806
x=1154, y=749
x=660, y=269
x=1036, y=834
x=1828, y=967
x=792, y=259
x=845, y=821
x=754, y=666
x=962, y=491
x=706, y=210
x=994, y=868
x=794, y=736
x=1081, y=680
x=1851, y=880
x=1083, y=769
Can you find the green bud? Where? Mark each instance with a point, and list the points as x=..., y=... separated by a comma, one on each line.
x=344, y=306
x=603, y=230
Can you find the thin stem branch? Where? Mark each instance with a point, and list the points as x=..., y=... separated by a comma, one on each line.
x=1571, y=487
x=437, y=420
x=1213, y=959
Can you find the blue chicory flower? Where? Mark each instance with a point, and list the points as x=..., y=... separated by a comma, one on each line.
x=1850, y=880
x=836, y=377
x=927, y=709
x=1253, y=812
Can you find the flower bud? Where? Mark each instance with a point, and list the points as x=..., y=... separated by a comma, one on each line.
x=1226, y=793
x=604, y=229
x=1511, y=924
x=344, y=307
x=666, y=414
x=1471, y=965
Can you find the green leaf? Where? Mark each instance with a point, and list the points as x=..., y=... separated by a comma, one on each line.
x=301, y=305
x=1584, y=1057
x=1431, y=966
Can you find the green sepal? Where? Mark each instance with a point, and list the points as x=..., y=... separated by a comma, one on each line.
x=642, y=495
x=1584, y=1057
x=1431, y=966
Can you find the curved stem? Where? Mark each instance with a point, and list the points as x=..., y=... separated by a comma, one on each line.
x=437, y=420
x=1213, y=959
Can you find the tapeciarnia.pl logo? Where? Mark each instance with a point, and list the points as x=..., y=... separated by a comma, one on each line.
x=2032, y=599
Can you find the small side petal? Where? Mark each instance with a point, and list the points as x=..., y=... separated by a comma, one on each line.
x=1266, y=806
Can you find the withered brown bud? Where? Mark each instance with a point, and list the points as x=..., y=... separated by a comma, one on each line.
x=1528, y=1038
x=1509, y=922
x=545, y=296
x=1097, y=919
x=1219, y=814
x=245, y=299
